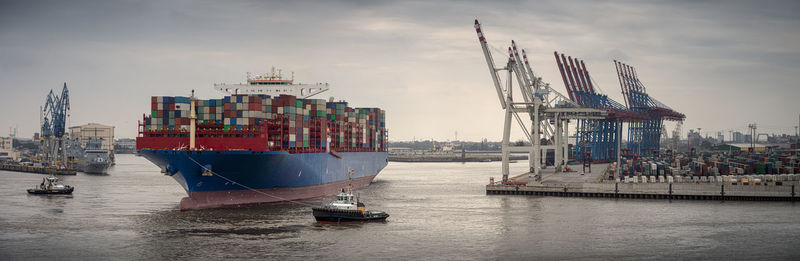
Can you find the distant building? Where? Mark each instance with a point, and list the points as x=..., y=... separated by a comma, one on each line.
x=738, y=137
x=125, y=146
x=7, y=152
x=400, y=151
x=94, y=130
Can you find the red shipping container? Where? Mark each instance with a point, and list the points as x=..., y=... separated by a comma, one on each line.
x=212, y=110
x=227, y=106
x=159, y=114
x=154, y=99
x=254, y=106
x=171, y=106
x=252, y=121
x=154, y=106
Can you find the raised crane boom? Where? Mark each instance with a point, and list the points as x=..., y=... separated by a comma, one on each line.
x=490, y=63
x=54, y=113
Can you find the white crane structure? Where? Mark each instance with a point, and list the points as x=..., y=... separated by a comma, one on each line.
x=549, y=110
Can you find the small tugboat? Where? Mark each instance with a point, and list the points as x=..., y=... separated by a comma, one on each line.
x=347, y=209
x=52, y=187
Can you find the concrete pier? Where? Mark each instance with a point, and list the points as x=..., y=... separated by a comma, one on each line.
x=39, y=170
x=591, y=185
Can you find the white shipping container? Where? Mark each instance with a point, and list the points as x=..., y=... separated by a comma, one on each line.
x=280, y=110
x=292, y=137
x=227, y=121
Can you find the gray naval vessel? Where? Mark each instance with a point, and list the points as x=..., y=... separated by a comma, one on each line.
x=95, y=159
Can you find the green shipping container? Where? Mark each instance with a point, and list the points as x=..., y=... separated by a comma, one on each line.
x=299, y=104
x=226, y=128
x=154, y=113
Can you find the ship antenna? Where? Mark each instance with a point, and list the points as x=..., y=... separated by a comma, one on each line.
x=349, y=183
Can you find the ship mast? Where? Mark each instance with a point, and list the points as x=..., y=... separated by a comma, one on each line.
x=192, y=121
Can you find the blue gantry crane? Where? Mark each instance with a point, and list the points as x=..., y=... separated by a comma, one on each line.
x=595, y=139
x=644, y=136
x=54, y=115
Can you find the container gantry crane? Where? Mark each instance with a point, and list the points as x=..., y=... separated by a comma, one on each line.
x=548, y=110
x=597, y=139
x=644, y=137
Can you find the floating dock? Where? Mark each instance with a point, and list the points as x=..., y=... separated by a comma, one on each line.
x=39, y=170
x=573, y=184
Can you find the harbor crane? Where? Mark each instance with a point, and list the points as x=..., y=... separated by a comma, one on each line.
x=598, y=139
x=644, y=137
x=549, y=111
x=53, y=117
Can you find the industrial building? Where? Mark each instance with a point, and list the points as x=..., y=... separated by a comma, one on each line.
x=94, y=130
x=7, y=152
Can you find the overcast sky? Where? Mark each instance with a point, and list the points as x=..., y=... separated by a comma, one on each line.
x=722, y=63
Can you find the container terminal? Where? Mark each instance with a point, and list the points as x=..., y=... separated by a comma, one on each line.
x=642, y=169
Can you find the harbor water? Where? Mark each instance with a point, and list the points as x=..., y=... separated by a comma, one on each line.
x=438, y=211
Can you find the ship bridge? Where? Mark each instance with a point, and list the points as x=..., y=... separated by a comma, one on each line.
x=272, y=84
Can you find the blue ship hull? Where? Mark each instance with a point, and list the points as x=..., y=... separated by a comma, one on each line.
x=244, y=177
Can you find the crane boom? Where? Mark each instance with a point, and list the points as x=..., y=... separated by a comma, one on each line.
x=490, y=63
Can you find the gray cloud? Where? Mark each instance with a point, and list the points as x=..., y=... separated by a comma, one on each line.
x=722, y=63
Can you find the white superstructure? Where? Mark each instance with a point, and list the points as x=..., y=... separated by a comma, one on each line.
x=272, y=84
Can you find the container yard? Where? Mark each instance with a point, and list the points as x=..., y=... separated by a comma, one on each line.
x=706, y=177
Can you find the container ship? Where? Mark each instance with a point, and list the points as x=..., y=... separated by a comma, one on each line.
x=271, y=143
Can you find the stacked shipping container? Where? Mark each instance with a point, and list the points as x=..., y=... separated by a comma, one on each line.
x=287, y=123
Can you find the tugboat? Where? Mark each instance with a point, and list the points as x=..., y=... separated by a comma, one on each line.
x=52, y=187
x=347, y=209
